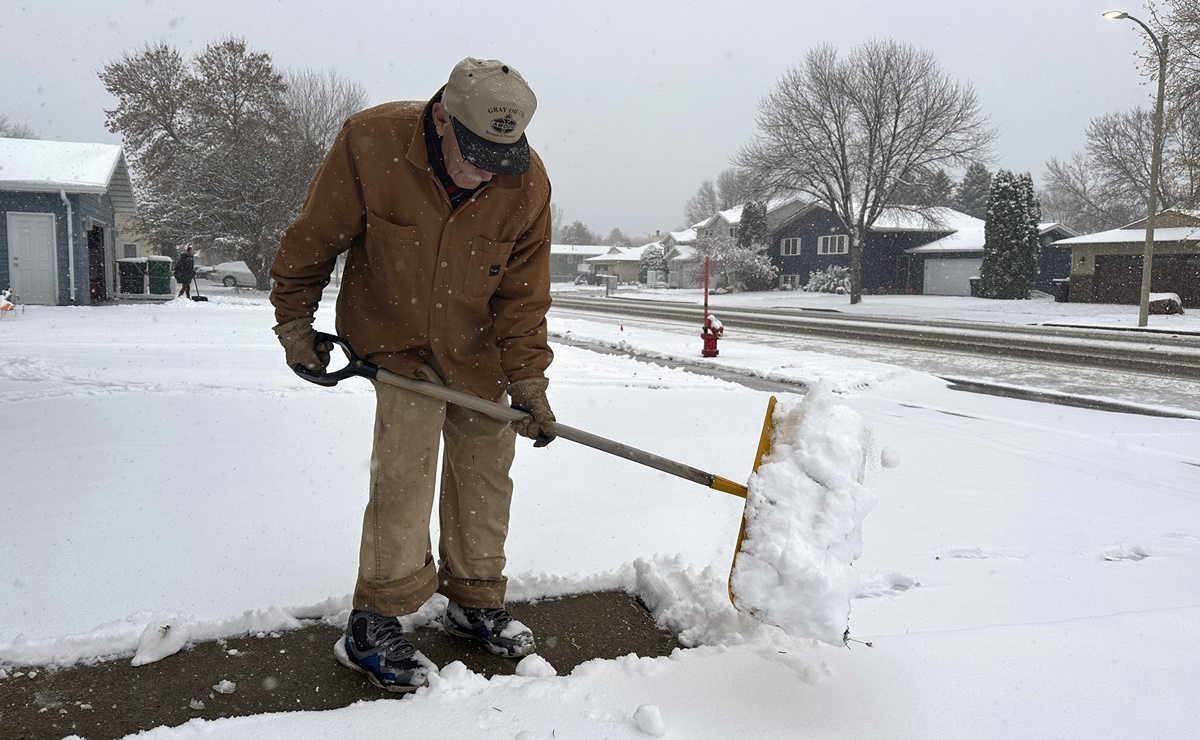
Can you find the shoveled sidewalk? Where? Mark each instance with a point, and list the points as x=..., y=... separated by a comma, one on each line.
x=294, y=671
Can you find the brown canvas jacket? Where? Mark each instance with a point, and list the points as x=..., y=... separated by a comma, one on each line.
x=471, y=287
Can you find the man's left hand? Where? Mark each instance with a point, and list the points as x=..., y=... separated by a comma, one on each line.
x=530, y=395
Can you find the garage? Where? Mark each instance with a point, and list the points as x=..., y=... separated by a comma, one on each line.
x=950, y=276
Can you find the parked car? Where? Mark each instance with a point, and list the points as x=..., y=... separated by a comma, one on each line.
x=203, y=271
x=232, y=275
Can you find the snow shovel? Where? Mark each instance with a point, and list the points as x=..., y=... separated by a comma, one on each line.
x=356, y=366
x=198, y=297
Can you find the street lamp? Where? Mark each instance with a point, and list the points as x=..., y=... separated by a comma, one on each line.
x=1155, y=160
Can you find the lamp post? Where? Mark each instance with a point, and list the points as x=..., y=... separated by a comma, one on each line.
x=1155, y=161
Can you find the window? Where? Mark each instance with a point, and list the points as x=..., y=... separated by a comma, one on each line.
x=789, y=247
x=789, y=282
x=836, y=244
x=130, y=249
x=733, y=232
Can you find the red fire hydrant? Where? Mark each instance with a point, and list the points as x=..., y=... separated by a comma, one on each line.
x=712, y=329
x=710, y=333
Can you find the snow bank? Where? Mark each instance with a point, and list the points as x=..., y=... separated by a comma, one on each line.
x=804, y=516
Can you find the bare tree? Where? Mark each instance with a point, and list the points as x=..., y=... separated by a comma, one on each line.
x=319, y=103
x=13, y=130
x=1106, y=186
x=850, y=132
x=702, y=205
x=1181, y=20
x=556, y=222
x=1074, y=195
x=734, y=187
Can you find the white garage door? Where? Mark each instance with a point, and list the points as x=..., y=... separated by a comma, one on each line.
x=949, y=277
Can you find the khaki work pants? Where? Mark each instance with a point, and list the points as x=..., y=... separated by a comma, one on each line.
x=396, y=572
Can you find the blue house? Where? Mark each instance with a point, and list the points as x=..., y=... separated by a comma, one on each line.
x=813, y=239
x=904, y=252
x=60, y=203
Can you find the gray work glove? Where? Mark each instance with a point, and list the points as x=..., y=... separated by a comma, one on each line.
x=298, y=339
x=530, y=395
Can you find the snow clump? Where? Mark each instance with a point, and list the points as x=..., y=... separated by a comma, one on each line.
x=804, y=516
x=160, y=638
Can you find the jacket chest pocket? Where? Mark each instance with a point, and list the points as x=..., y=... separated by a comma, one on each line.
x=393, y=250
x=485, y=266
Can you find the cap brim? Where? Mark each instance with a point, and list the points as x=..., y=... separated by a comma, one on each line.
x=501, y=159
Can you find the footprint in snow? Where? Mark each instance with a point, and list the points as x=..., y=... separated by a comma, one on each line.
x=969, y=553
x=1125, y=551
x=885, y=584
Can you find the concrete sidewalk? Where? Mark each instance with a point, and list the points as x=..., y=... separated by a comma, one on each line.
x=295, y=671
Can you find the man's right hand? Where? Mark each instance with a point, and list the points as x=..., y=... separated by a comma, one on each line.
x=298, y=339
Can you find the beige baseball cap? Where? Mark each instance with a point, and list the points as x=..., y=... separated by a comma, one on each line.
x=490, y=105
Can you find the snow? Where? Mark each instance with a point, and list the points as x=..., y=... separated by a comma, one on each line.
x=1029, y=569
x=28, y=164
x=804, y=517
x=1168, y=236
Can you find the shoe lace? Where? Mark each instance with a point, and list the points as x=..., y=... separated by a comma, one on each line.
x=499, y=617
x=390, y=639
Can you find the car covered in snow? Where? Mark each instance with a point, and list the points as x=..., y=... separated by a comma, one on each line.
x=232, y=275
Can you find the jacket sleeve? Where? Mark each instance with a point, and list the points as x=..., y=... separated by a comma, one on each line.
x=521, y=301
x=332, y=216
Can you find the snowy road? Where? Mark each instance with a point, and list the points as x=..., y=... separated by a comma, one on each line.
x=1153, y=390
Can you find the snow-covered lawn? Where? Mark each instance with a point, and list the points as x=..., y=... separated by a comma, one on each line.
x=1029, y=570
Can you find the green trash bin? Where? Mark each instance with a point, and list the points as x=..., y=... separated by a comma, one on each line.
x=132, y=273
x=160, y=275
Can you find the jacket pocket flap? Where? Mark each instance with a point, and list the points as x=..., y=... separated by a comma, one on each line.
x=392, y=233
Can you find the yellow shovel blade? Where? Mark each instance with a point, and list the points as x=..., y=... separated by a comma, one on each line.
x=764, y=445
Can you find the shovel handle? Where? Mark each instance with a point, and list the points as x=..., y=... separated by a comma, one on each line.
x=358, y=367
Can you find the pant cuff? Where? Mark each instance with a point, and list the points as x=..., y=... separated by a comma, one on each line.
x=399, y=597
x=476, y=593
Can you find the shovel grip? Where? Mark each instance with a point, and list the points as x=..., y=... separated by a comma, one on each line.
x=355, y=365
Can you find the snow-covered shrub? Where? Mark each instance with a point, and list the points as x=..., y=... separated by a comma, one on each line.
x=832, y=279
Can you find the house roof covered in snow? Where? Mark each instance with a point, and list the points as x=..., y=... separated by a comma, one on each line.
x=1056, y=226
x=687, y=236
x=1126, y=235
x=936, y=219
x=31, y=165
x=969, y=236
x=590, y=250
x=681, y=253
x=621, y=254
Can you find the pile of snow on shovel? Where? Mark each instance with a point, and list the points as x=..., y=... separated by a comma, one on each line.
x=804, y=516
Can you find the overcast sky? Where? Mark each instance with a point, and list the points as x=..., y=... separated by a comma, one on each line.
x=638, y=102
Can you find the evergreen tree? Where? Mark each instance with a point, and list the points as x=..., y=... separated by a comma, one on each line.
x=941, y=189
x=753, y=229
x=618, y=238
x=1011, y=246
x=972, y=195
x=753, y=237
x=577, y=233
x=653, y=260
x=934, y=188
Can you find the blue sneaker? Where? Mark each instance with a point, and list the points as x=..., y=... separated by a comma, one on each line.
x=494, y=628
x=375, y=645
